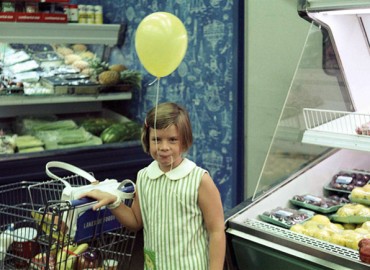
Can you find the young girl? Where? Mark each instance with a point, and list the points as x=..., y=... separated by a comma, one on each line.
x=177, y=203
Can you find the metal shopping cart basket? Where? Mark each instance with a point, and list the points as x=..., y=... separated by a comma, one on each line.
x=35, y=232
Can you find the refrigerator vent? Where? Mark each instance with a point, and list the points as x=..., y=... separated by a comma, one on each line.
x=302, y=239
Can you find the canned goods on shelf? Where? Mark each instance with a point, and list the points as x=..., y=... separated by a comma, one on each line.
x=98, y=14
x=73, y=13
x=90, y=14
x=82, y=14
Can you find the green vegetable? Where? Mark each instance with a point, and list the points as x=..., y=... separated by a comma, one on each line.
x=31, y=149
x=97, y=125
x=27, y=141
x=65, y=136
x=121, y=132
x=29, y=126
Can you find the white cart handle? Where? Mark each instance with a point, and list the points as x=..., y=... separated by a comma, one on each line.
x=70, y=168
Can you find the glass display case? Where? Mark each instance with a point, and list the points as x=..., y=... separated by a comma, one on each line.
x=63, y=97
x=321, y=139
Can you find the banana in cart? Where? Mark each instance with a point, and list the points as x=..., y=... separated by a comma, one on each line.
x=66, y=258
x=59, y=228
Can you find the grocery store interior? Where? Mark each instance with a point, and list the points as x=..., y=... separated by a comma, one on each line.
x=277, y=96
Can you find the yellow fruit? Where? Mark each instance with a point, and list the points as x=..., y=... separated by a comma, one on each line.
x=311, y=224
x=87, y=55
x=321, y=219
x=346, y=211
x=352, y=241
x=71, y=58
x=361, y=231
x=79, y=48
x=358, y=193
x=80, y=64
x=339, y=226
x=366, y=225
x=312, y=231
x=366, y=187
x=363, y=212
x=298, y=228
x=64, y=51
x=322, y=235
x=109, y=77
x=334, y=228
x=337, y=239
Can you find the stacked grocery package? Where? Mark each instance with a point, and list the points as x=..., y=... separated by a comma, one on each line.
x=341, y=216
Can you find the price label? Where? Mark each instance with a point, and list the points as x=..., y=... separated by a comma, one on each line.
x=345, y=180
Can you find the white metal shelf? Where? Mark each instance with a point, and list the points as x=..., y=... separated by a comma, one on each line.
x=59, y=33
x=336, y=129
x=52, y=99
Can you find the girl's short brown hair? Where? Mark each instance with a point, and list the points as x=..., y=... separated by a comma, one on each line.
x=164, y=115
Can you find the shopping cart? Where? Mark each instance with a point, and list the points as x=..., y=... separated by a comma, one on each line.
x=35, y=230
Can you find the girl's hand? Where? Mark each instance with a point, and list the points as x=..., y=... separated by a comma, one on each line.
x=103, y=198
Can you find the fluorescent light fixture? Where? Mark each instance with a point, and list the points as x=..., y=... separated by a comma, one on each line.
x=346, y=11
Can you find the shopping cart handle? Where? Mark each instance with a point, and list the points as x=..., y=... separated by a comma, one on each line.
x=87, y=200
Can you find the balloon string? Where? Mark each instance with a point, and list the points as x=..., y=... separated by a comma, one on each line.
x=150, y=84
x=155, y=113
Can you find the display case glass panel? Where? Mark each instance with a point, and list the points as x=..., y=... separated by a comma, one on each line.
x=318, y=83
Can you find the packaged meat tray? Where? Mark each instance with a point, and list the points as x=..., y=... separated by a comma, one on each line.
x=286, y=217
x=346, y=180
x=319, y=204
x=48, y=59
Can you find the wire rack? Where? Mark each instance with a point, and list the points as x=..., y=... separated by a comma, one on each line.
x=341, y=122
x=35, y=208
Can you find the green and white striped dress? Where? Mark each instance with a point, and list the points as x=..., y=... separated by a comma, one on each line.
x=175, y=235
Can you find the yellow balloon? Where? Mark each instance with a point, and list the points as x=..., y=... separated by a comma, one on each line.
x=161, y=42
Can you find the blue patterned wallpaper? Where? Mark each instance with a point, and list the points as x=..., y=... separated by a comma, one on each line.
x=205, y=83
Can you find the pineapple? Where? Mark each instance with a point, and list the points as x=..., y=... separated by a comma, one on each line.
x=109, y=77
x=117, y=67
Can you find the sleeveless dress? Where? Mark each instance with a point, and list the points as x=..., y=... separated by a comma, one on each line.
x=175, y=235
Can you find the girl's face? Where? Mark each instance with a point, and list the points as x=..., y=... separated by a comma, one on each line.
x=165, y=147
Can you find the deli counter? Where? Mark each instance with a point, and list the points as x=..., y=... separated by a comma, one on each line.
x=321, y=138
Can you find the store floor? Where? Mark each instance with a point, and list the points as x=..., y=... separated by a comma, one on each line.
x=137, y=260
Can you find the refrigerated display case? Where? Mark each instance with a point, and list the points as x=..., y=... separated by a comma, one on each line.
x=322, y=130
x=114, y=160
